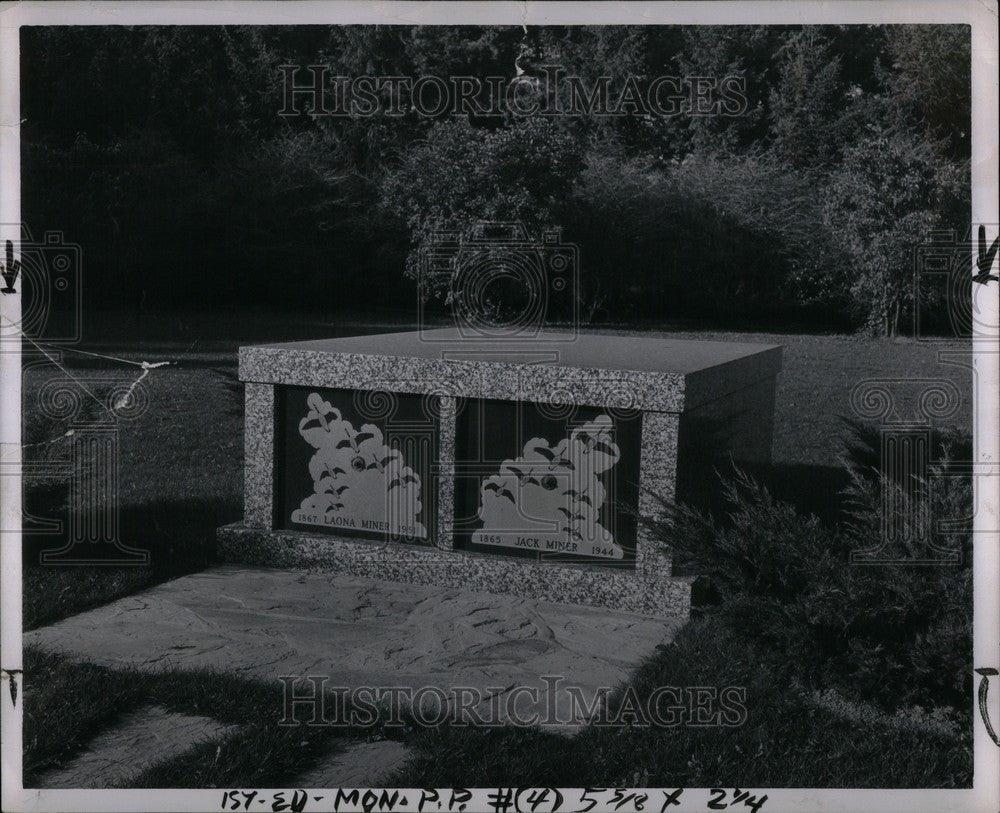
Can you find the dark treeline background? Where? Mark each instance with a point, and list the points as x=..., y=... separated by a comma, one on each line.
x=161, y=152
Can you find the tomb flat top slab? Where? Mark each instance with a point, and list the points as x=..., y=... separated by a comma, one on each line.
x=647, y=373
x=586, y=350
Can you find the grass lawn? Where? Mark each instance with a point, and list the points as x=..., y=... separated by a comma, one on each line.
x=180, y=478
x=77, y=700
x=788, y=739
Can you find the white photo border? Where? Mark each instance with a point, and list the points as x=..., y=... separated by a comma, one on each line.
x=980, y=16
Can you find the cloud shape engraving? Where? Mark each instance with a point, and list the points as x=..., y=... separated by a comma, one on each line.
x=549, y=499
x=358, y=482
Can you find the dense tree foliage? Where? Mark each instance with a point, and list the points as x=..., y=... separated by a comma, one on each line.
x=160, y=150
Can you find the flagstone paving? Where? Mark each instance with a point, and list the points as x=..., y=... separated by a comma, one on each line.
x=128, y=747
x=359, y=765
x=269, y=623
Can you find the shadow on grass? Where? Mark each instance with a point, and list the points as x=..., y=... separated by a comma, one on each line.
x=810, y=489
x=177, y=535
x=785, y=740
x=67, y=703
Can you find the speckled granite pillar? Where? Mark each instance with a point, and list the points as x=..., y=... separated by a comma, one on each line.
x=657, y=479
x=445, y=473
x=258, y=446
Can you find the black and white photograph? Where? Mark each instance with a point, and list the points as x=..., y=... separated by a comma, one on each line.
x=487, y=407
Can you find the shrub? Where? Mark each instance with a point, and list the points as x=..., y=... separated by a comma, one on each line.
x=895, y=634
x=707, y=235
x=461, y=175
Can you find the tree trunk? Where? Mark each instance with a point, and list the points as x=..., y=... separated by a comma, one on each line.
x=890, y=318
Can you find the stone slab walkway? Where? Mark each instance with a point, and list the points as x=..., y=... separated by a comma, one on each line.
x=360, y=765
x=361, y=632
x=125, y=749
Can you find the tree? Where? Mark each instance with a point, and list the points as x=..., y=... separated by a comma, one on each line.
x=135, y=136
x=461, y=175
x=744, y=51
x=807, y=103
x=888, y=195
x=932, y=73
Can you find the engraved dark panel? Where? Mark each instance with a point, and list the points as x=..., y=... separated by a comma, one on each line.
x=356, y=463
x=552, y=483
